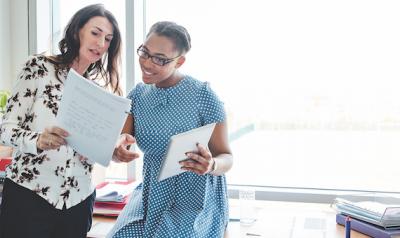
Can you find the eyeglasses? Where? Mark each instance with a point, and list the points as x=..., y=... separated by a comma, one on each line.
x=161, y=61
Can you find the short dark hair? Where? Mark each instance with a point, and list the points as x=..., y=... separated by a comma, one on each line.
x=175, y=32
x=70, y=44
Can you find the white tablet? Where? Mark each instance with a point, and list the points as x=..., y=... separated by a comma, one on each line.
x=180, y=144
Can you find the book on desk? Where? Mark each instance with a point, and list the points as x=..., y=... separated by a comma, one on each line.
x=368, y=228
x=373, y=214
x=111, y=197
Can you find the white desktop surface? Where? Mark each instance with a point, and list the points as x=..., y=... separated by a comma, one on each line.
x=274, y=219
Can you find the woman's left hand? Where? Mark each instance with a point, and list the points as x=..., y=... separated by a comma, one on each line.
x=200, y=162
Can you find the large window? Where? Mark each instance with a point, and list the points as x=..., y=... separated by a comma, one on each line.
x=310, y=87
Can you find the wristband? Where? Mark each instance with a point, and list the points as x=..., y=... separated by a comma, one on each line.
x=214, y=167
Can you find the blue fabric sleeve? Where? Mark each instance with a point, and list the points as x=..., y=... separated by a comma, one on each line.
x=211, y=108
x=131, y=96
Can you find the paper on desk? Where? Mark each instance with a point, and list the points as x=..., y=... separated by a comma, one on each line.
x=100, y=229
x=93, y=117
x=310, y=225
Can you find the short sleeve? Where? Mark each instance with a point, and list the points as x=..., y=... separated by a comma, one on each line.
x=210, y=106
x=131, y=96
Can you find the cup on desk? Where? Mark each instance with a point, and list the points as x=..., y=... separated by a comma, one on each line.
x=247, y=197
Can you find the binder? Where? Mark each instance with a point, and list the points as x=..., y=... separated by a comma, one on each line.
x=368, y=228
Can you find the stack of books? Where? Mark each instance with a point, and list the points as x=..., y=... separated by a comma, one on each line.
x=376, y=215
x=111, y=197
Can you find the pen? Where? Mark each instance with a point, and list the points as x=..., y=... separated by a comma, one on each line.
x=252, y=234
x=234, y=219
x=348, y=226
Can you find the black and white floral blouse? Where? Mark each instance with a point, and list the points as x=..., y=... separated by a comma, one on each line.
x=59, y=176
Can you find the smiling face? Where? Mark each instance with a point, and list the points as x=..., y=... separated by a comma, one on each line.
x=95, y=38
x=162, y=47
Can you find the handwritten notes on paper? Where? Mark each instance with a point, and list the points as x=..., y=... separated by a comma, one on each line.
x=93, y=117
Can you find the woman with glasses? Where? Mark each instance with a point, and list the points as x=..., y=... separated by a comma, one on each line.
x=193, y=203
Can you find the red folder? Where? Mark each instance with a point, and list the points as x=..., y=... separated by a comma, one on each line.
x=115, y=205
x=4, y=162
x=112, y=209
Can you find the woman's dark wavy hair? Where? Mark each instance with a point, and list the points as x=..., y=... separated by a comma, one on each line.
x=69, y=47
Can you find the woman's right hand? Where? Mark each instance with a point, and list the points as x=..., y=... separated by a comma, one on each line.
x=52, y=138
x=121, y=151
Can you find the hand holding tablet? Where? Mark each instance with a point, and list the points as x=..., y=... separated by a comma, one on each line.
x=180, y=144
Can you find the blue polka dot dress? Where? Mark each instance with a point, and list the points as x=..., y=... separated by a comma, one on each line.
x=185, y=205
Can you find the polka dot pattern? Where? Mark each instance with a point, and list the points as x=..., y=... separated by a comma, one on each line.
x=186, y=205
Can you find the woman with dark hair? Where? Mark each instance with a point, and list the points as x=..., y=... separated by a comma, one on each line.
x=48, y=190
x=193, y=203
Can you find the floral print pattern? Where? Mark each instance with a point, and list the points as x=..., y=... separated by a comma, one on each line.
x=59, y=176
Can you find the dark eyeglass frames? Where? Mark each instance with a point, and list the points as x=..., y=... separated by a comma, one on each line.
x=161, y=61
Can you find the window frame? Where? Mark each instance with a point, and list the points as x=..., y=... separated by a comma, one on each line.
x=136, y=20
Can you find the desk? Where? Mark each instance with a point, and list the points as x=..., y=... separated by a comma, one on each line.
x=277, y=220
x=289, y=220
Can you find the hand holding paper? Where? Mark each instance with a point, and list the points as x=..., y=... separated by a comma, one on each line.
x=52, y=138
x=92, y=116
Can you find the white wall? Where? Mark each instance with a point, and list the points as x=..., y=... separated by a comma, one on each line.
x=13, y=40
x=19, y=35
x=5, y=82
